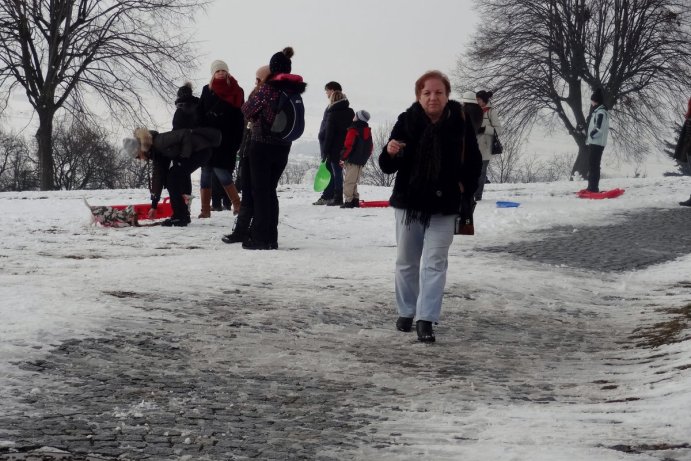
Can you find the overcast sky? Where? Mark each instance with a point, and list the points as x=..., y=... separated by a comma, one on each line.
x=375, y=49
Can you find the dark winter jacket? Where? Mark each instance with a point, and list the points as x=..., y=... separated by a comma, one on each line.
x=174, y=145
x=358, y=144
x=682, y=153
x=214, y=112
x=185, y=143
x=186, y=113
x=261, y=107
x=339, y=116
x=322, y=133
x=443, y=195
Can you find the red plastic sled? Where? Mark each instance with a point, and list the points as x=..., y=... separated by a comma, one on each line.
x=374, y=204
x=163, y=210
x=614, y=193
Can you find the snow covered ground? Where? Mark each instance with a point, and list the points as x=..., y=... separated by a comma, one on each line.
x=533, y=362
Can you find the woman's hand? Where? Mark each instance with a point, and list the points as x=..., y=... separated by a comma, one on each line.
x=152, y=213
x=394, y=147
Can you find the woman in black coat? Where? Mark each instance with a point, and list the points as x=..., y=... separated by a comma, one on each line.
x=268, y=155
x=338, y=117
x=434, y=153
x=219, y=107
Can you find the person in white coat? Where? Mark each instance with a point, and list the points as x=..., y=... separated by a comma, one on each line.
x=490, y=126
x=596, y=138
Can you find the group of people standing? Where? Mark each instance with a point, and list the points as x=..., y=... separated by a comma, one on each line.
x=345, y=143
x=208, y=133
x=439, y=150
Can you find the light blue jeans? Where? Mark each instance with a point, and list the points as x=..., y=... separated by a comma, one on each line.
x=421, y=263
x=224, y=176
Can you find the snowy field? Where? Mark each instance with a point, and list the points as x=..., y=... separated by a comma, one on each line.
x=600, y=391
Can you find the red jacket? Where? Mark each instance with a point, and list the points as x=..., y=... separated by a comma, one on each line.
x=358, y=144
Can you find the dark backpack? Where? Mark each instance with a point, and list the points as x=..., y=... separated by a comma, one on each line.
x=289, y=123
x=362, y=148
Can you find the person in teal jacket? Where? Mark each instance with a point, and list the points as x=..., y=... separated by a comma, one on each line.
x=596, y=138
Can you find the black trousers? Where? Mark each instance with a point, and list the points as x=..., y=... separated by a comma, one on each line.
x=244, y=219
x=329, y=192
x=594, y=160
x=179, y=181
x=267, y=162
x=219, y=198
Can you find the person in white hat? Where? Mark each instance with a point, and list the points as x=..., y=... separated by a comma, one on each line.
x=220, y=104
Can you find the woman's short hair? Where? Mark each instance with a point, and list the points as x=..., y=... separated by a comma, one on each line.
x=432, y=75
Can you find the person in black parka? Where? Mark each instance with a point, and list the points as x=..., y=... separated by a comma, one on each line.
x=268, y=154
x=175, y=156
x=434, y=153
x=186, y=116
x=339, y=116
x=328, y=193
x=242, y=229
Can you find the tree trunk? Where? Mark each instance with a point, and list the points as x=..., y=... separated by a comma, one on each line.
x=44, y=138
x=581, y=166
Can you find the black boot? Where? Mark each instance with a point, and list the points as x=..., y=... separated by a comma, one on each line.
x=425, y=333
x=176, y=222
x=686, y=203
x=234, y=237
x=243, y=223
x=404, y=324
x=336, y=201
x=355, y=203
x=250, y=244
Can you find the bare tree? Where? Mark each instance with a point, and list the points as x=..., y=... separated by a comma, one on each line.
x=502, y=167
x=371, y=174
x=83, y=157
x=17, y=168
x=62, y=51
x=543, y=57
x=295, y=172
x=134, y=174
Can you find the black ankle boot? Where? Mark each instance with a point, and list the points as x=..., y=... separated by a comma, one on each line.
x=235, y=237
x=404, y=324
x=425, y=333
x=686, y=203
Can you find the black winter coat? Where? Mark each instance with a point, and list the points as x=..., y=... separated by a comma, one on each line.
x=444, y=196
x=186, y=113
x=682, y=152
x=214, y=112
x=339, y=116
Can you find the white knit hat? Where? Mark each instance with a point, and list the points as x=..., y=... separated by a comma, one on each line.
x=469, y=98
x=218, y=65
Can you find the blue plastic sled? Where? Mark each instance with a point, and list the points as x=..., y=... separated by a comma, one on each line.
x=507, y=204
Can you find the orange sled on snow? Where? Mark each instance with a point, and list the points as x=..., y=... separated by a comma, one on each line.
x=614, y=193
x=128, y=215
x=374, y=203
x=163, y=210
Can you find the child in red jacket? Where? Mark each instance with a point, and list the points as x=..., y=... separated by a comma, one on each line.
x=356, y=151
